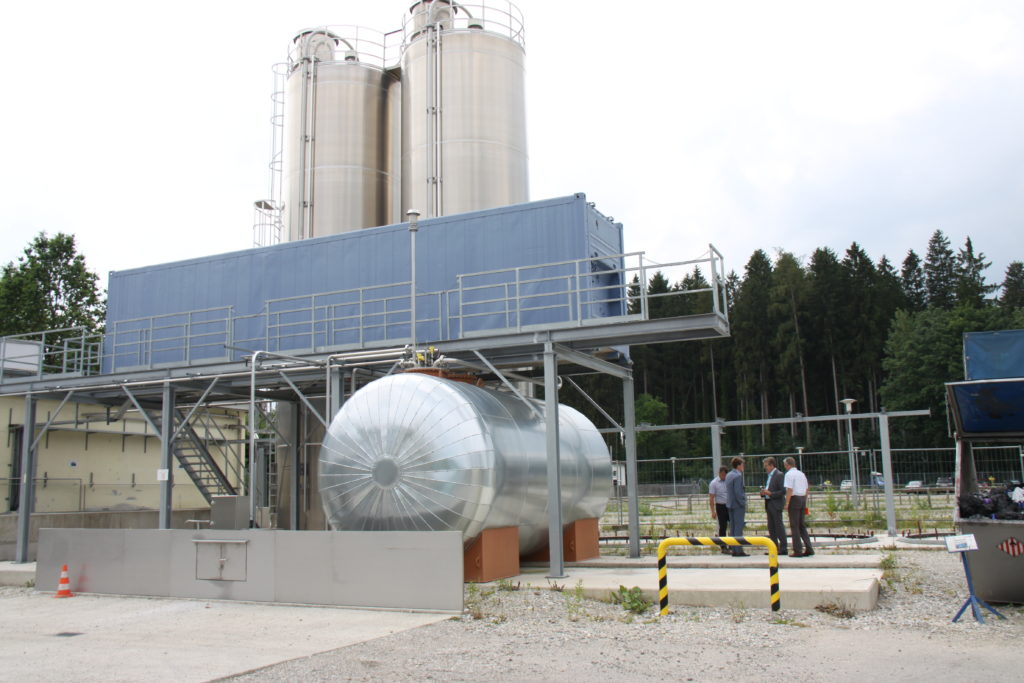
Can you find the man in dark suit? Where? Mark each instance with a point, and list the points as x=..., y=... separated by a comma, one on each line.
x=737, y=503
x=774, y=494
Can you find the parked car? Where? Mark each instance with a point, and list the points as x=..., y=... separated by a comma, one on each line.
x=944, y=485
x=846, y=485
x=916, y=486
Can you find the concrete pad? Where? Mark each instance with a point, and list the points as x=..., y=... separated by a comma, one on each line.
x=854, y=589
x=105, y=638
x=12, y=574
x=720, y=561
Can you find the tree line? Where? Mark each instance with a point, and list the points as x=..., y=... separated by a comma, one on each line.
x=806, y=335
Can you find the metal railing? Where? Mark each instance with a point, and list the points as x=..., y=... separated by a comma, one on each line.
x=605, y=289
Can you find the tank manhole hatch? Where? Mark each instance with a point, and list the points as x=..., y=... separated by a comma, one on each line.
x=1012, y=547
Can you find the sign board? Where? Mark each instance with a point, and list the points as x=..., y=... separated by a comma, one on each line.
x=162, y=475
x=959, y=544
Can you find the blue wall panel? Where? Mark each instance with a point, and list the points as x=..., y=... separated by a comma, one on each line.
x=241, y=283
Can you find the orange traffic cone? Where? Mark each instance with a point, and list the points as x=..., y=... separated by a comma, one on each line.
x=64, y=587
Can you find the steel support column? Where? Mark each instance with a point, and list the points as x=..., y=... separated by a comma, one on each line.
x=890, y=498
x=26, y=500
x=298, y=468
x=557, y=567
x=716, y=449
x=167, y=434
x=632, y=490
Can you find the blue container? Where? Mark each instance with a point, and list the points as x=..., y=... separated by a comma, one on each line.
x=994, y=355
x=476, y=272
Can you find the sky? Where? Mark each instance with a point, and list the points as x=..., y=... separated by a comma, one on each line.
x=143, y=128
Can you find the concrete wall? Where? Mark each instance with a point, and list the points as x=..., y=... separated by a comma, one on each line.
x=136, y=519
x=96, y=463
x=416, y=570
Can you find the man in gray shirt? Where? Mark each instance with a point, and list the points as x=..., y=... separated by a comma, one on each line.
x=737, y=503
x=718, y=497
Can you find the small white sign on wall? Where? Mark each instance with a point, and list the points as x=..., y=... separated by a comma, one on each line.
x=959, y=544
x=162, y=475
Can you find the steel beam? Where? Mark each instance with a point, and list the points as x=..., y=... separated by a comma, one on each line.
x=557, y=567
x=890, y=498
x=184, y=423
x=588, y=361
x=26, y=499
x=594, y=403
x=167, y=455
x=632, y=490
x=304, y=400
x=510, y=386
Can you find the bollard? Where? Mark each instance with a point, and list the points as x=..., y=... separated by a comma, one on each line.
x=722, y=542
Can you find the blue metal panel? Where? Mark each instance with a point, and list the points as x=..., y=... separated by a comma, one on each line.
x=306, y=294
x=989, y=407
x=994, y=355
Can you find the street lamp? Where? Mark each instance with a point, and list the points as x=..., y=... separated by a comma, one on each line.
x=675, y=495
x=800, y=457
x=854, y=497
x=414, y=226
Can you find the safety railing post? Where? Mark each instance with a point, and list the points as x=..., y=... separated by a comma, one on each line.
x=642, y=279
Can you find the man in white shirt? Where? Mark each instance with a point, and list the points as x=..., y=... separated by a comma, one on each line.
x=796, y=504
x=718, y=497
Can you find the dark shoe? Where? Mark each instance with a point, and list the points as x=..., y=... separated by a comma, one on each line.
x=808, y=554
x=740, y=555
x=783, y=552
x=797, y=554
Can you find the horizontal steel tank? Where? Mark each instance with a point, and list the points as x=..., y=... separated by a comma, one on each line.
x=463, y=107
x=337, y=140
x=416, y=452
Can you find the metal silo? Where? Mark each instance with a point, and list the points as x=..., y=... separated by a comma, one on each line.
x=412, y=452
x=337, y=140
x=463, y=107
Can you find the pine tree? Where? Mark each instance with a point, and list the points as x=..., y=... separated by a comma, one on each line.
x=1013, y=286
x=912, y=282
x=940, y=272
x=971, y=288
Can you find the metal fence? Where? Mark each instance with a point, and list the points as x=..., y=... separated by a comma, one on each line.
x=674, y=491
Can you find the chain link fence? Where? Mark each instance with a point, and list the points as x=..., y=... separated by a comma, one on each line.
x=674, y=491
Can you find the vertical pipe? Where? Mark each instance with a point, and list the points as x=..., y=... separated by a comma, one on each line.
x=254, y=361
x=557, y=568
x=414, y=227
x=629, y=427
x=890, y=500
x=296, y=446
x=26, y=500
x=166, y=454
x=716, y=448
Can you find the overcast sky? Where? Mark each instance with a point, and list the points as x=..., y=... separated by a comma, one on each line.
x=142, y=128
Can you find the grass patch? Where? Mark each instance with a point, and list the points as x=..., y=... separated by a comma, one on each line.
x=631, y=599
x=837, y=610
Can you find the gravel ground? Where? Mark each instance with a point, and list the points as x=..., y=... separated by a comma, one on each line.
x=539, y=634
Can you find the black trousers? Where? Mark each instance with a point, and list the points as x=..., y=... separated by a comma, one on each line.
x=776, y=527
x=797, y=525
x=723, y=518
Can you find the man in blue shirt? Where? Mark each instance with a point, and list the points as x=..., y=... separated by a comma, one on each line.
x=737, y=503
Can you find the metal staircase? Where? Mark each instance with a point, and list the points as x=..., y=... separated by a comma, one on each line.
x=195, y=458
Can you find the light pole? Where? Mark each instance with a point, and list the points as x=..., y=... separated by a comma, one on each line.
x=414, y=226
x=800, y=457
x=854, y=497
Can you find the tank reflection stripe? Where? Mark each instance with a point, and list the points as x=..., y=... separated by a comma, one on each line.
x=343, y=488
x=426, y=439
x=431, y=404
x=415, y=504
x=352, y=447
x=428, y=496
x=436, y=497
x=452, y=436
x=445, y=447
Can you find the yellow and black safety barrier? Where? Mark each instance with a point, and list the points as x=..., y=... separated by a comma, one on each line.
x=722, y=542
